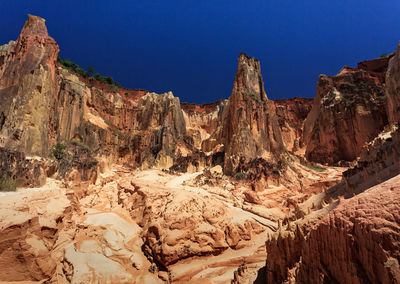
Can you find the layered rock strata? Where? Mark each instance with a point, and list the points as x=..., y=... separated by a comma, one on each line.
x=392, y=89
x=349, y=110
x=249, y=128
x=291, y=115
x=27, y=88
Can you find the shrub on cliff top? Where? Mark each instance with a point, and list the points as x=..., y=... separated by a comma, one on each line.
x=58, y=151
x=71, y=66
x=7, y=183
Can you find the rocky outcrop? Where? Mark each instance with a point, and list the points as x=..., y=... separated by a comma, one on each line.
x=27, y=87
x=348, y=111
x=202, y=120
x=291, y=114
x=29, y=231
x=203, y=226
x=249, y=129
x=25, y=172
x=357, y=242
x=351, y=223
x=283, y=253
x=393, y=87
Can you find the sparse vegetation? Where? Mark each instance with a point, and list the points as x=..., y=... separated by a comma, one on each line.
x=90, y=73
x=113, y=88
x=254, y=97
x=71, y=66
x=58, y=151
x=80, y=145
x=7, y=183
x=240, y=176
x=330, y=98
x=316, y=168
x=91, y=70
x=384, y=55
x=119, y=133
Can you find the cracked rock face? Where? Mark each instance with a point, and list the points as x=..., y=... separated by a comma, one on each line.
x=393, y=90
x=291, y=115
x=237, y=184
x=249, y=127
x=27, y=86
x=348, y=111
x=358, y=241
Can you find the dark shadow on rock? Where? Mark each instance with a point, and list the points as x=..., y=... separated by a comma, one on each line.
x=261, y=276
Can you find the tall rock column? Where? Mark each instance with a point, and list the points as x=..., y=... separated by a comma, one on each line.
x=250, y=128
x=27, y=88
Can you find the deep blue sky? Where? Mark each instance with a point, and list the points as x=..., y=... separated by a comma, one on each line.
x=191, y=47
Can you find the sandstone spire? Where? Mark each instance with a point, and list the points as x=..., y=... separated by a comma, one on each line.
x=27, y=86
x=34, y=26
x=250, y=128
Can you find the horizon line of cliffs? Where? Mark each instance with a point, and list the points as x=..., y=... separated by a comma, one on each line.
x=44, y=104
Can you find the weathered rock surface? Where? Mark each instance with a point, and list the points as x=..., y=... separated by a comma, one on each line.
x=204, y=225
x=27, y=87
x=358, y=241
x=110, y=223
x=249, y=128
x=291, y=114
x=348, y=111
x=392, y=87
x=25, y=172
x=202, y=120
x=29, y=228
x=307, y=251
x=378, y=162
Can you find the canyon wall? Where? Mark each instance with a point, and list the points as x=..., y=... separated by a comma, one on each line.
x=349, y=110
x=291, y=115
x=392, y=90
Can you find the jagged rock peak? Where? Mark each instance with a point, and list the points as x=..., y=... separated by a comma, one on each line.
x=34, y=26
x=248, y=80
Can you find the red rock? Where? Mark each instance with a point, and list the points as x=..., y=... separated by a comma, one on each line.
x=27, y=88
x=291, y=115
x=357, y=242
x=249, y=127
x=348, y=111
x=392, y=89
x=34, y=47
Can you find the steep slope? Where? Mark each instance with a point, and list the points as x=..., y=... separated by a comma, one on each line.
x=27, y=88
x=249, y=128
x=392, y=90
x=245, y=195
x=291, y=115
x=367, y=228
x=348, y=111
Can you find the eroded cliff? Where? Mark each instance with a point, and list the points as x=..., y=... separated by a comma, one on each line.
x=349, y=110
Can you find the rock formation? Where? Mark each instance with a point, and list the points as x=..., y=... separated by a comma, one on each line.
x=27, y=87
x=392, y=90
x=348, y=111
x=291, y=114
x=357, y=242
x=113, y=185
x=249, y=129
